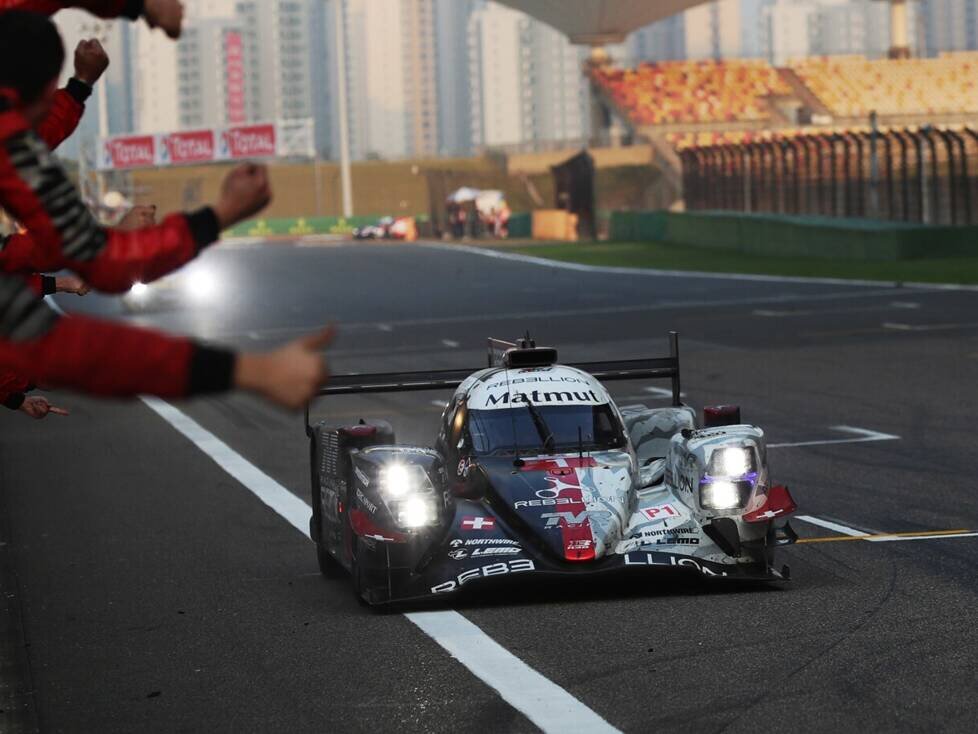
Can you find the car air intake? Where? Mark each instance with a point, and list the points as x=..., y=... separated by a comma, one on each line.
x=531, y=357
x=721, y=415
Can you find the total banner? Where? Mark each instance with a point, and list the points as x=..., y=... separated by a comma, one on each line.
x=284, y=139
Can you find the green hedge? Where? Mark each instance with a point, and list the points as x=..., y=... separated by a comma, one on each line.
x=521, y=225
x=638, y=226
x=802, y=236
x=298, y=226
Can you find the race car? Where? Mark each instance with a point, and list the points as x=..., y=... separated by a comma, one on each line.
x=386, y=228
x=535, y=471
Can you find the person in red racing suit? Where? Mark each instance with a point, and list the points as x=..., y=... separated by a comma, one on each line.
x=122, y=259
x=165, y=14
x=96, y=356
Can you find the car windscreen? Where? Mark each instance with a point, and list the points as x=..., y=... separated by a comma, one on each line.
x=504, y=431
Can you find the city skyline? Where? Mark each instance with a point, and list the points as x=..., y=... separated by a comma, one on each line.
x=459, y=76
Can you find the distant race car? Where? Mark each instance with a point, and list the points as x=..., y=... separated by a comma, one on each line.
x=536, y=472
x=387, y=228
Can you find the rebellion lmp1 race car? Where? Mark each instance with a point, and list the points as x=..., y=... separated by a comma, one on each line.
x=536, y=472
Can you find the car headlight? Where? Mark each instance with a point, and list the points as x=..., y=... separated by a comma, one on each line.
x=409, y=495
x=723, y=494
x=415, y=512
x=731, y=461
x=396, y=481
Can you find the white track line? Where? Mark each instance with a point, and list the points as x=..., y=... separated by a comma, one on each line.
x=926, y=327
x=530, y=259
x=864, y=434
x=829, y=525
x=542, y=701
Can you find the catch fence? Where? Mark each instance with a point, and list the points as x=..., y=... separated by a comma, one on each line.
x=927, y=175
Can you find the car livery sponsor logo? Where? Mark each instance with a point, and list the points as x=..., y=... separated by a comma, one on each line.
x=569, y=519
x=506, y=550
x=364, y=479
x=546, y=502
x=673, y=540
x=518, y=565
x=579, y=544
x=663, y=559
x=688, y=476
x=660, y=512
x=556, y=397
x=472, y=522
x=655, y=532
x=459, y=542
x=537, y=377
x=366, y=503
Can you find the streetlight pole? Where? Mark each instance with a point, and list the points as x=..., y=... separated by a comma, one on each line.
x=346, y=183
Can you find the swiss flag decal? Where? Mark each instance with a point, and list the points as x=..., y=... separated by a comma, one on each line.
x=470, y=522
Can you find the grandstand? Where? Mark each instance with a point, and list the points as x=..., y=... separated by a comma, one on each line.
x=896, y=130
x=692, y=92
x=696, y=96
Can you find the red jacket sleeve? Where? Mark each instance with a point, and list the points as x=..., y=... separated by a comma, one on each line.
x=101, y=8
x=12, y=389
x=100, y=357
x=65, y=114
x=126, y=259
x=35, y=190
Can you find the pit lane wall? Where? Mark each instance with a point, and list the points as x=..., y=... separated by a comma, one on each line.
x=796, y=236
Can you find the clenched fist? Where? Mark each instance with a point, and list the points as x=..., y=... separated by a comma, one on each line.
x=38, y=407
x=91, y=61
x=289, y=376
x=165, y=14
x=245, y=192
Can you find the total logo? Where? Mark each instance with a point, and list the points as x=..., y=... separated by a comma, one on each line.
x=519, y=565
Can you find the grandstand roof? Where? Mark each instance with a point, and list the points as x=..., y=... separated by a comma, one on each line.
x=597, y=22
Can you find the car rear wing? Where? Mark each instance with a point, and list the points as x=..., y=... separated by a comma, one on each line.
x=653, y=368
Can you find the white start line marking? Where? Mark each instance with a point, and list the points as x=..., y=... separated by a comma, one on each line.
x=925, y=327
x=829, y=525
x=542, y=701
x=863, y=435
x=874, y=537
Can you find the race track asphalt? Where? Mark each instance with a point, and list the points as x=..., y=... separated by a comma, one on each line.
x=157, y=594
